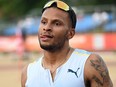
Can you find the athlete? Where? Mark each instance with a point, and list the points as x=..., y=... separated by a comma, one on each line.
x=61, y=65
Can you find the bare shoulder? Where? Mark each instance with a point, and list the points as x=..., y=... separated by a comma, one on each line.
x=96, y=72
x=24, y=76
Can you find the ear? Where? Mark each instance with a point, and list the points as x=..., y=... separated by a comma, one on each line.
x=71, y=33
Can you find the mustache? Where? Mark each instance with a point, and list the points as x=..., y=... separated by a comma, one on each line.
x=46, y=34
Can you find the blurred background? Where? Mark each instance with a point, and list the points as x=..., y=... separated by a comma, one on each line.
x=19, y=21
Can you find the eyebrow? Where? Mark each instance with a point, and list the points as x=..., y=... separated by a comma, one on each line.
x=54, y=20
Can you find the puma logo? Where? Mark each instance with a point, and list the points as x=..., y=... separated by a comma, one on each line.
x=75, y=72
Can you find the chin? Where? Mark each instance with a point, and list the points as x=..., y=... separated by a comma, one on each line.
x=52, y=47
x=48, y=48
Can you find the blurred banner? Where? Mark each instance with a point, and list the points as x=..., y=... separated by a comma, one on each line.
x=96, y=42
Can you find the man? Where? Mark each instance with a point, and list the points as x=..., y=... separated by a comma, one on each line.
x=61, y=65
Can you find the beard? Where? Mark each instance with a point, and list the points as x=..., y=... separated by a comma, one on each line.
x=55, y=46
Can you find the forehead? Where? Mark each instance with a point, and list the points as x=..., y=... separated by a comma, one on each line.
x=55, y=13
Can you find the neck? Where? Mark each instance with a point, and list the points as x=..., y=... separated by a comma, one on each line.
x=53, y=59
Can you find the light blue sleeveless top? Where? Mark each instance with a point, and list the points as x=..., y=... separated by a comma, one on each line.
x=70, y=74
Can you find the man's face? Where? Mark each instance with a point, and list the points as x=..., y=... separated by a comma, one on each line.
x=53, y=29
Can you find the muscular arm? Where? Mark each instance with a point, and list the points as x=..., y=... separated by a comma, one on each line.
x=24, y=77
x=96, y=72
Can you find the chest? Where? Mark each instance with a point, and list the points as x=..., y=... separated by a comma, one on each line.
x=63, y=78
x=69, y=75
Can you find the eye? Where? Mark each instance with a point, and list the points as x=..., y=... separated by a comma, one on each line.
x=43, y=22
x=57, y=23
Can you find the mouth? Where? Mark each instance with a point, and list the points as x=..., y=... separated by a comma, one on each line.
x=46, y=37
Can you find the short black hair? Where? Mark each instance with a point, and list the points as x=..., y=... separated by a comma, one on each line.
x=71, y=13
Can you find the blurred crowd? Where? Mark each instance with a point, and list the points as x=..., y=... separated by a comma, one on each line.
x=86, y=23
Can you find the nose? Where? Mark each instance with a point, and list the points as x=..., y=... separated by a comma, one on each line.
x=47, y=27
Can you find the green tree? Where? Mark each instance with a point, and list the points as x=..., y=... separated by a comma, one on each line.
x=16, y=8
